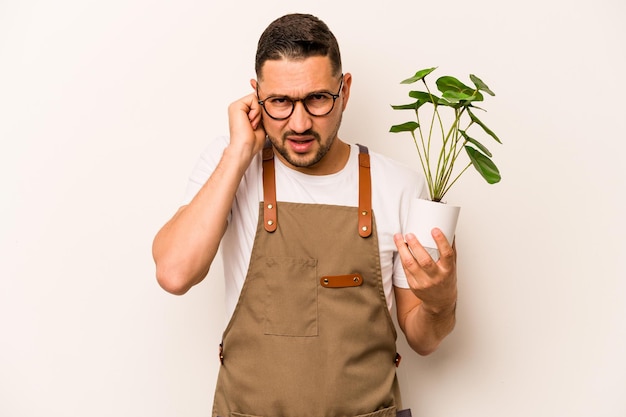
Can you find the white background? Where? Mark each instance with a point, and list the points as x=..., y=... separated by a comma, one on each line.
x=106, y=105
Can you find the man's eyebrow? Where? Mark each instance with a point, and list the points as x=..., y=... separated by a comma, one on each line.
x=307, y=94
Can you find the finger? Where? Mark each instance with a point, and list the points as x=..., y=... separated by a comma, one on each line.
x=446, y=252
x=406, y=256
x=420, y=253
x=454, y=248
x=402, y=247
x=256, y=113
x=416, y=261
x=255, y=118
x=413, y=270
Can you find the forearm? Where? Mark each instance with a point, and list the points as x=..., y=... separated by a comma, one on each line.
x=426, y=310
x=185, y=247
x=425, y=329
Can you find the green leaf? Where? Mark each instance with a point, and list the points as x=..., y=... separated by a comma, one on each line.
x=410, y=106
x=424, y=97
x=481, y=124
x=483, y=165
x=418, y=75
x=460, y=96
x=474, y=142
x=447, y=83
x=481, y=85
x=404, y=127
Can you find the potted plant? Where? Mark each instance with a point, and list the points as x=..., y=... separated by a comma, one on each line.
x=442, y=124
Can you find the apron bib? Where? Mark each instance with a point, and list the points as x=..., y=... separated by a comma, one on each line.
x=311, y=335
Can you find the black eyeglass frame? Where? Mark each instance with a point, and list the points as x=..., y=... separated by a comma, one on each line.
x=302, y=100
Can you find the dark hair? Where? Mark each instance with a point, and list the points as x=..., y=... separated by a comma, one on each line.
x=297, y=36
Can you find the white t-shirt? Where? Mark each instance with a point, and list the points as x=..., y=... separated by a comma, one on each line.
x=393, y=186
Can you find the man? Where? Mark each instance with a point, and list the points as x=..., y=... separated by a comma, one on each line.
x=309, y=227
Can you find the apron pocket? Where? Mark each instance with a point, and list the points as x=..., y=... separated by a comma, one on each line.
x=291, y=297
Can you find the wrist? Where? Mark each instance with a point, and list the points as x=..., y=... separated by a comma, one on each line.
x=239, y=154
x=439, y=310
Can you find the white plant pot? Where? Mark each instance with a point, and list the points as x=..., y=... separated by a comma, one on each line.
x=424, y=215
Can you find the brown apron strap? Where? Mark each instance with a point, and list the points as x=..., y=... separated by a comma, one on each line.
x=365, y=193
x=270, y=220
x=269, y=189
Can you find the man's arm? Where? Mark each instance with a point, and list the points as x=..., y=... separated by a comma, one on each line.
x=426, y=310
x=186, y=245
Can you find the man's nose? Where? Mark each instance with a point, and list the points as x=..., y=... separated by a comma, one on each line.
x=300, y=120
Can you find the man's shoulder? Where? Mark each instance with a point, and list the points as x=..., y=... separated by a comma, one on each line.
x=386, y=166
x=393, y=178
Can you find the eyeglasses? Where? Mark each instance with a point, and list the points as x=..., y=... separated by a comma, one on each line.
x=316, y=104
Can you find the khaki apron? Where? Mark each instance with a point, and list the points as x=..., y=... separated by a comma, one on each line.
x=311, y=335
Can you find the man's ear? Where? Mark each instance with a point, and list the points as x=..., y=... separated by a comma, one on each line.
x=345, y=90
x=253, y=84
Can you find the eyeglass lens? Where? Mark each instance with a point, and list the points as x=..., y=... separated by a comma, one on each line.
x=316, y=104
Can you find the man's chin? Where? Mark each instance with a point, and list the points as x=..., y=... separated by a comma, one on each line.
x=301, y=161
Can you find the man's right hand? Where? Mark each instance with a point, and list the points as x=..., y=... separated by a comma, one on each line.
x=247, y=134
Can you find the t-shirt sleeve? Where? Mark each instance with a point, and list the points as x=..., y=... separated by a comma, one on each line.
x=415, y=187
x=206, y=164
x=399, y=278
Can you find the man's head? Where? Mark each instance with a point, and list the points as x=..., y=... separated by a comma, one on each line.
x=295, y=37
x=303, y=93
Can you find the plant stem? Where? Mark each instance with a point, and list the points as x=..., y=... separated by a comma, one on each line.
x=425, y=167
x=456, y=178
x=451, y=152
